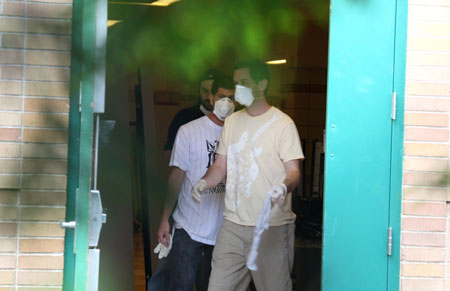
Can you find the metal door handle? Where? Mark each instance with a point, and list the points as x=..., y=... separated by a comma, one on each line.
x=69, y=224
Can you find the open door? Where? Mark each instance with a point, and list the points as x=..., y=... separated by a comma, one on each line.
x=363, y=156
x=84, y=213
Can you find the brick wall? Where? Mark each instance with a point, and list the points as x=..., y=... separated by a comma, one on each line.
x=425, y=257
x=34, y=86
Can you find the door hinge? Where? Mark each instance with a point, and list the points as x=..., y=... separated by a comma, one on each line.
x=394, y=105
x=389, y=246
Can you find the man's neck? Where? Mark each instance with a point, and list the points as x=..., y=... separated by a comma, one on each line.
x=214, y=119
x=258, y=107
x=204, y=110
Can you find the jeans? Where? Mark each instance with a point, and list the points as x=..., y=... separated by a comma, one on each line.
x=186, y=268
x=160, y=278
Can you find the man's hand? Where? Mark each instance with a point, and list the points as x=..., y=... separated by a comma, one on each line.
x=165, y=240
x=164, y=233
x=278, y=194
x=197, y=190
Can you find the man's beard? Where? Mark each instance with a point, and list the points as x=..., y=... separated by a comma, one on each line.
x=207, y=105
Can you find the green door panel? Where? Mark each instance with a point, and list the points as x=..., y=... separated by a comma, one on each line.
x=80, y=146
x=358, y=145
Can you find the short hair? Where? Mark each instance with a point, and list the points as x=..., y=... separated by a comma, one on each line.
x=210, y=74
x=224, y=82
x=258, y=70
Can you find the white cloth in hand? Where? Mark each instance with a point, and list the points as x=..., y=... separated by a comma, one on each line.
x=278, y=194
x=162, y=249
x=197, y=190
x=261, y=225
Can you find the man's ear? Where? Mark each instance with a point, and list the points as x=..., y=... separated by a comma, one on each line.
x=262, y=85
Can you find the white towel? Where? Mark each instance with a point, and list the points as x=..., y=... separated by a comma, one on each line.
x=261, y=225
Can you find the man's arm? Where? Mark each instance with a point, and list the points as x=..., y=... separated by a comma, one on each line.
x=174, y=185
x=292, y=168
x=278, y=192
x=217, y=172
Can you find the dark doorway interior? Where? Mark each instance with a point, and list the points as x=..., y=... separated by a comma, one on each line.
x=157, y=91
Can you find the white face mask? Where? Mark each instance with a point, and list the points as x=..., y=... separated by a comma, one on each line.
x=244, y=95
x=223, y=108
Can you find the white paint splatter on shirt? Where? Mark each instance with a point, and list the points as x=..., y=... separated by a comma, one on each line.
x=242, y=163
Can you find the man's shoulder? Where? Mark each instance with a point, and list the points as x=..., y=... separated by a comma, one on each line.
x=235, y=115
x=189, y=113
x=285, y=118
x=195, y=124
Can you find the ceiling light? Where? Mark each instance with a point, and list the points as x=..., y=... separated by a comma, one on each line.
x=161, y=3
x=112, y=22
x=276, y=62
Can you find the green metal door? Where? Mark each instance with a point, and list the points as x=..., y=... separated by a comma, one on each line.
x=81, y=208
x=362, y=137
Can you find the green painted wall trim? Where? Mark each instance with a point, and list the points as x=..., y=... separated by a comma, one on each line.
x=74, y=145
x=397, y=143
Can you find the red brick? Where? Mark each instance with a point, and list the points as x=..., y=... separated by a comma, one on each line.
x=426, y=149
x=40, y=278
x=13, y=8
x=425, y=179
x=12, y=72
x=7, y=261
x=423, y=254
x=423, y=270
x=8, y=245
x=46, y=105
x=423, y=239
x=425, y=164
x=41, y=262
x=427, y=119
x=10, y=103
x=7, y=277
x=45, y=136
x=426, y=134
x=427, y=104
x=41, y=245
x=49, y=11
x=8, y=229
x=42, y=198
x=425, y=194
x=44, y=182
x=422, y=284
x=424, y=208
x=9, y=134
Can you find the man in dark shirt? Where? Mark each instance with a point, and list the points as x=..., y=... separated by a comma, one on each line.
x=203, y=107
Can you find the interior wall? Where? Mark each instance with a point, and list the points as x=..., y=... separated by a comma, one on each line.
x=114, y=183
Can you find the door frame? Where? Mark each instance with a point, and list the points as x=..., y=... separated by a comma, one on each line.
x=80, y=142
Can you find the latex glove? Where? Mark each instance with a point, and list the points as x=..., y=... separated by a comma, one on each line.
x=198, y=189
x=278, y=194
x=162, y=249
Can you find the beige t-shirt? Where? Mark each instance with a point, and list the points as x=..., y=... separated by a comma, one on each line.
x=256, y=148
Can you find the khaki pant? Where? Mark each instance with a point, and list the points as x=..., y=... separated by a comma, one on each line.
x=275, y=258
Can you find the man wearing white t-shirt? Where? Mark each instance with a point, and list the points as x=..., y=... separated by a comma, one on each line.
x=196, y=225
x=259, y=154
